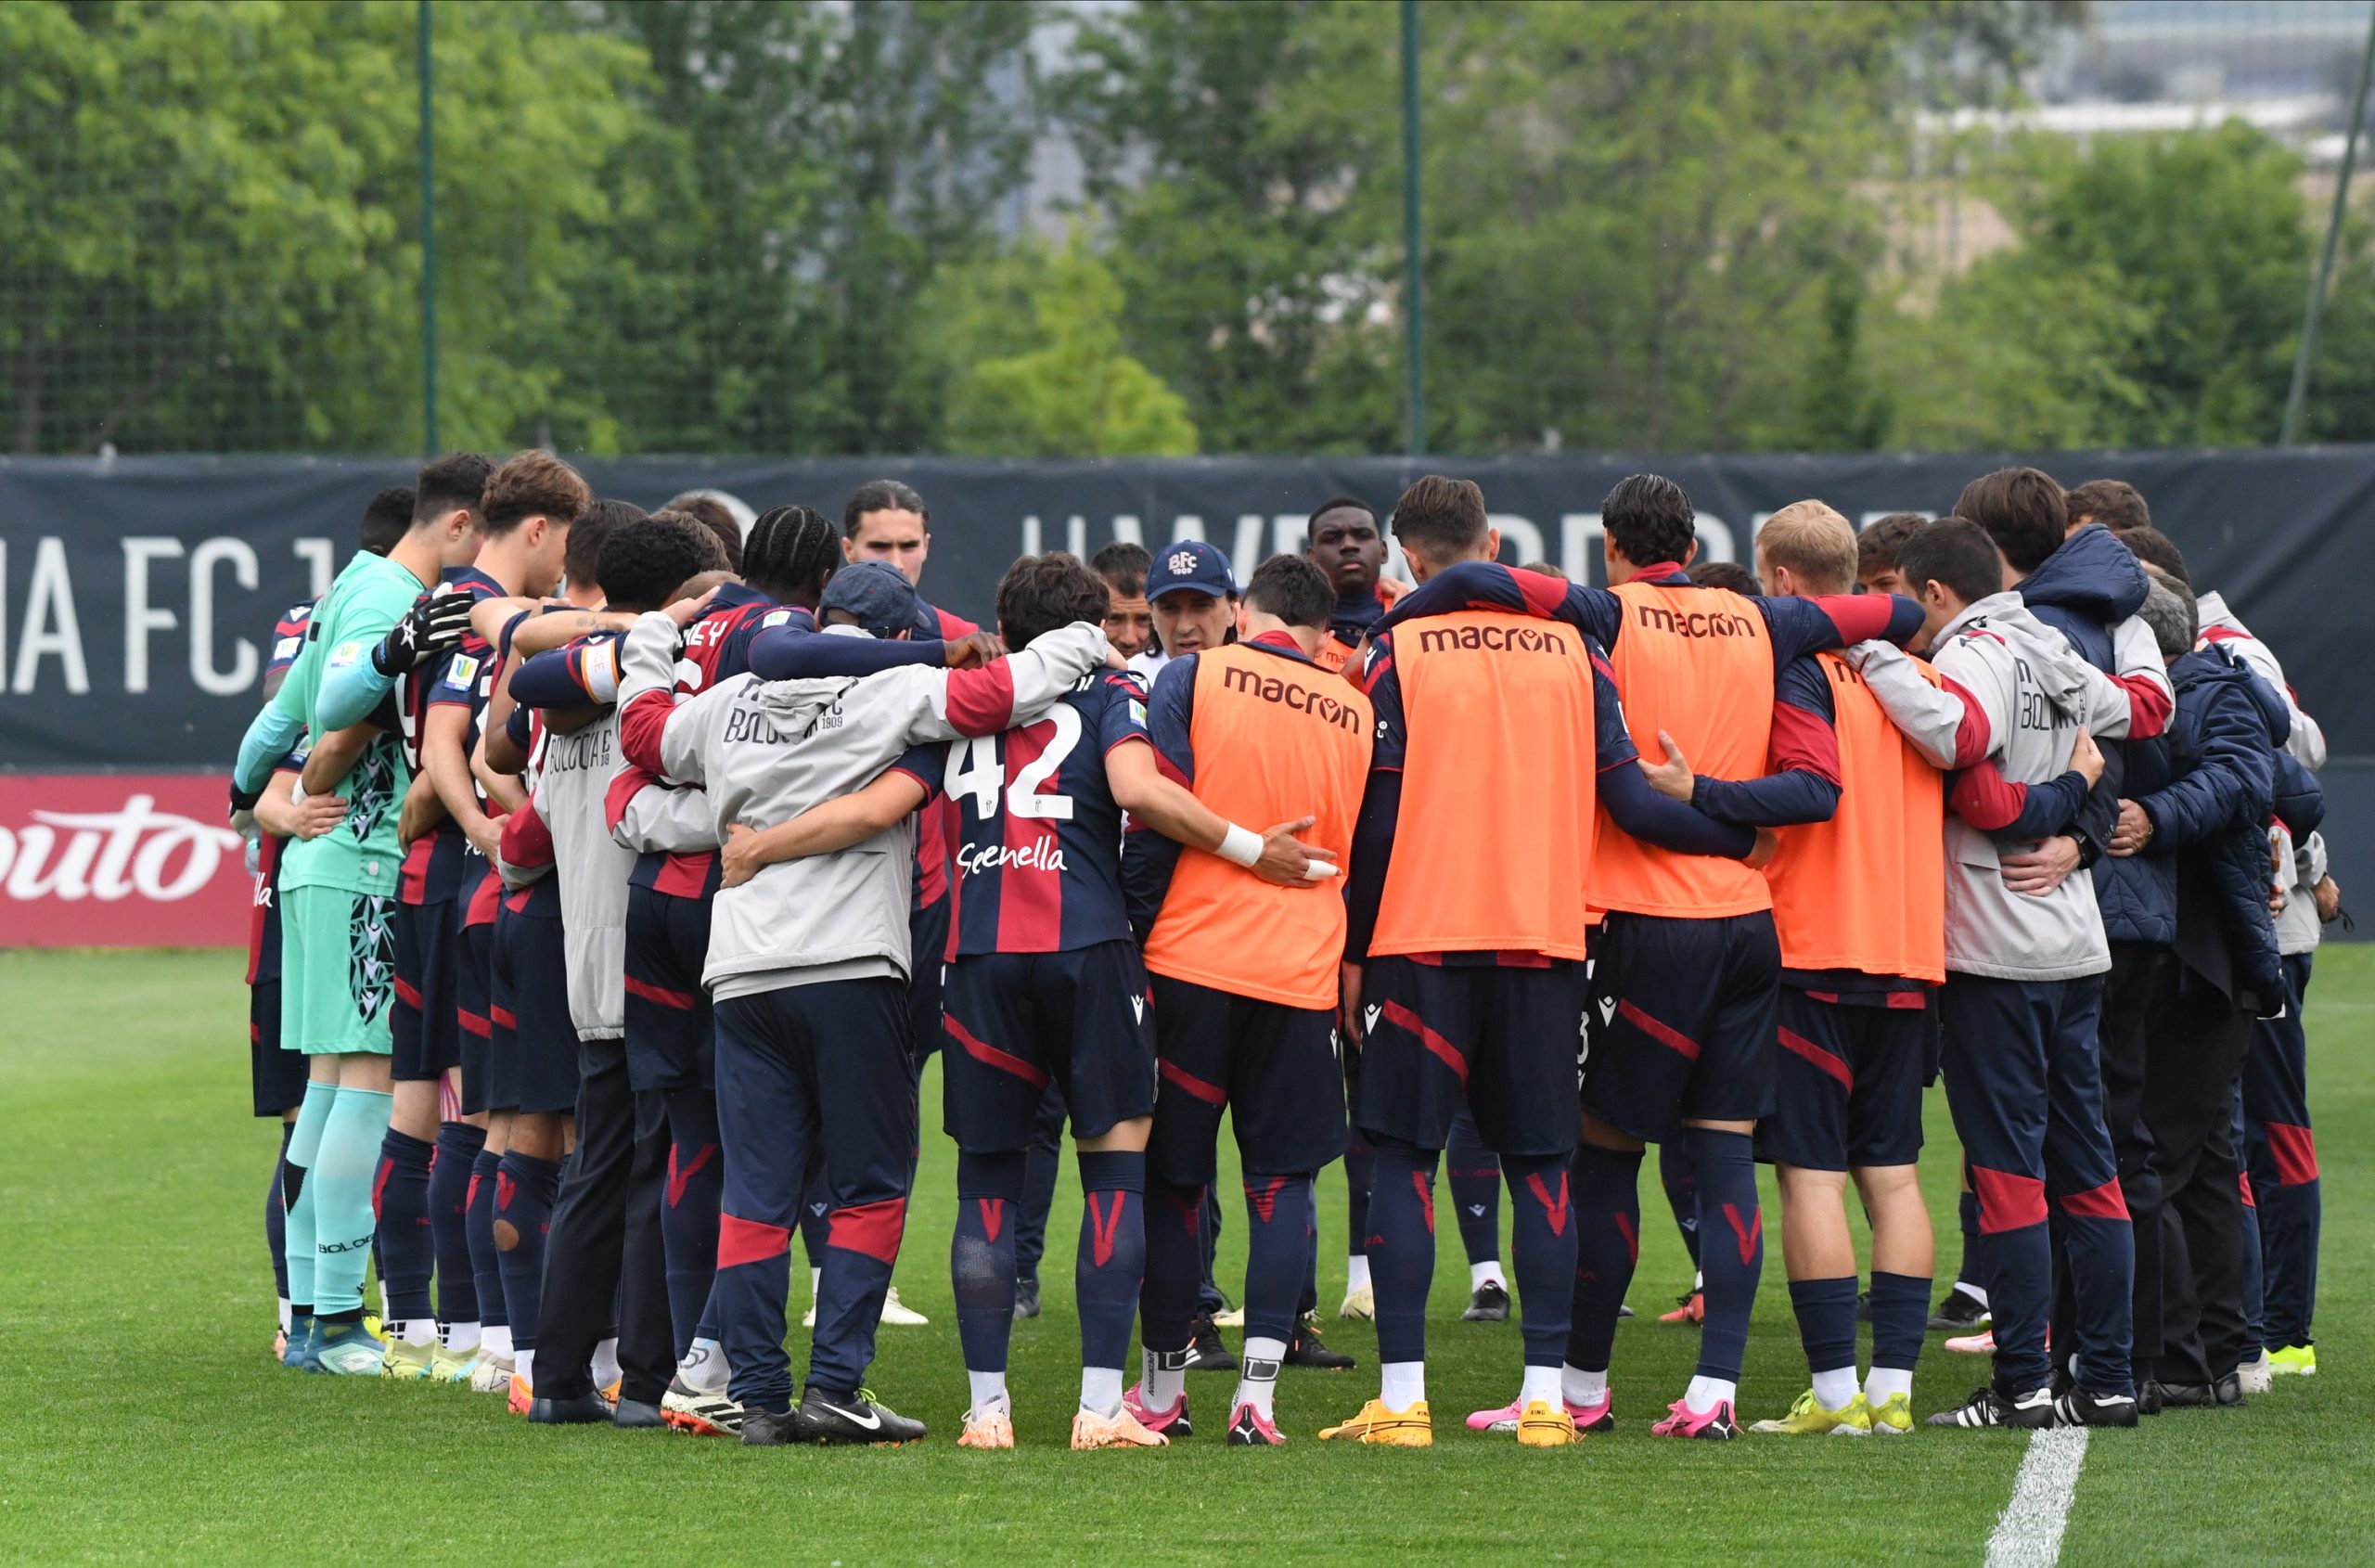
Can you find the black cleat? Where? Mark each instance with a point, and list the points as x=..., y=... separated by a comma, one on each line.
x=581, y=1410
x=633, y=1413
x=765, y=1429
x=1489, y=1305
x=2085, y=1408
x=2182, y=1396
x=1205, y=1350
x=2228, y=1390
x=833, y=1419
x=1986, y=1407
x=1960, y=1312
x=1306, y=1349
x=1026, y=1299
x=2147, y=1398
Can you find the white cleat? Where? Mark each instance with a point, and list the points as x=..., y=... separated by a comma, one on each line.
x=898, y=1313
x=1360, y=1305
x=2257, y=1374
x=491, y=1374
x=703, y=1415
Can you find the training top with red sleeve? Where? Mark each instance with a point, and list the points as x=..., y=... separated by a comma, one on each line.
x=1038, y=835
x=443, y=863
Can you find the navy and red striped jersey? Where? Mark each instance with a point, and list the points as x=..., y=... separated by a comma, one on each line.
x=1037, y=833
x=441, y=863
x=289, y=636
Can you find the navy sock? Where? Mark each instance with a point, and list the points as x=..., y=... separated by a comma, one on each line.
x=1278, y=1251
x=1474, y=1174
x=1606, y=1190
x=399, y=1207
x=1900, y=1317
x=688, y=1209
x=1360, y=1174
x=1174, y=1250
x=980, y=1255
x=1682, y=1192
x=1307, y=1299
x=1111, y=1268
x=276, y=1215
x=449, y=1214
x=1043, y=1165
x=486, y=1259
x=1973, y=1267
x=524, y=1190
x=861, y=1244
x=1402, y=1249
x=1731, y=1249
x=1825, y=1310
x=1542, y=1251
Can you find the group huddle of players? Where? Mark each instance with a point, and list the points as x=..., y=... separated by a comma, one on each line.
x=617, y=873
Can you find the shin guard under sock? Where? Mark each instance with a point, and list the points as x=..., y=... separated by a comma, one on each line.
x=1608, y=1245
x=449, y=1220
x=1110, y=1267
x=982, y=1254
x=1682, y=1192
x=1402, y=1249
x=340, y=1185
x=1277, y=1212
x=1731, y=1244
x=1542, y=1251
x=276, y=1215
x=1174, y=1252
x=689, y=1209
x=486, y=1259
x=399, y=1209
x=524, y=1190
x=297, y=1160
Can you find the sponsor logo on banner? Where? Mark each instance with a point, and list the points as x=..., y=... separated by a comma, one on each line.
x=120, y=860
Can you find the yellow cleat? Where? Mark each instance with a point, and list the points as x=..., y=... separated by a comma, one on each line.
x=1413, y=1428
x=372, y=1326
x=407, y=1363
x=1895, y=1418
x=1808, y=1419
x=2293, y=1361
x=1543, y=1425
x=994, y=1429
x=445, y=1366
x=1120, y=1431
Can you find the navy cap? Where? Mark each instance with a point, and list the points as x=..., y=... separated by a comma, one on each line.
x=1190, y=563
x=875, y=594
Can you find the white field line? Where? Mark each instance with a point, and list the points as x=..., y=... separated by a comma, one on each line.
x=2028, y=1533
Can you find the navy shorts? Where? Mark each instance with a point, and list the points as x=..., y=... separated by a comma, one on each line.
x=1682, y=1022
x=474, y=1013
x=1850, y=1079
x=670, y=1043
x=1272, y=1067
x=424, y=1039
x=1017, y=1021
x=275, y=1076
x=928, y=939
x=534, y=1050
x=1501, y=1040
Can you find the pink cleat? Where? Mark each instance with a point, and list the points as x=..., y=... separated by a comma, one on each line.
x=1501, y=1422
x=1715, y=1425
x=1249, y=1428
x=1172, y=1422
x=1980, y=1344
x=1504, y=1420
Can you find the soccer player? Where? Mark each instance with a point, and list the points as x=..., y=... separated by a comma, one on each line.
x=1729, y=575
x=704, y=508
x=1687, y=968
x=337, y=947
x=1344, y=542
x=807, y=971
x=1463, y=962
x=2024, y=977
x=1859, y=908
x=1245, y=978
x=1876, y=547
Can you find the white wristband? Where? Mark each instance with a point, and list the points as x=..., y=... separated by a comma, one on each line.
x=1241, y=846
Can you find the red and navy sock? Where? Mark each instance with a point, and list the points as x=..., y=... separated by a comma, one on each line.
x=524, y=1190
x=486, y=1258
x=1175, y=1264
x=861, y=1244
x=1682, y=1192
x=982, y=1254
x=1278, y=1249
x=1111, y=1268
x=276, y=1215
x=688, y=1209
x=1474, y=1174
x=399, y=1207
x=449, y=1214
x=1825, y=1310
x=1731, y=1245
x=1900, y=1319
x=1607, y=1190
x=1542, y=1251
x=1402, y=1249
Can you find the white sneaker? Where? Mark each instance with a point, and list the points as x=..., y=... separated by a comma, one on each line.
x=1233, y=1319
x=2257, y=1374
x=491, y=1375
x=899, y=1315
x=1360, y=1305
x=808, y=1318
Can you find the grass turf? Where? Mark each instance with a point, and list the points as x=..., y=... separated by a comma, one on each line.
x=147, y=1420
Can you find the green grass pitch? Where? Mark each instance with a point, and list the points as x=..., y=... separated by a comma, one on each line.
x=144, y=1419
